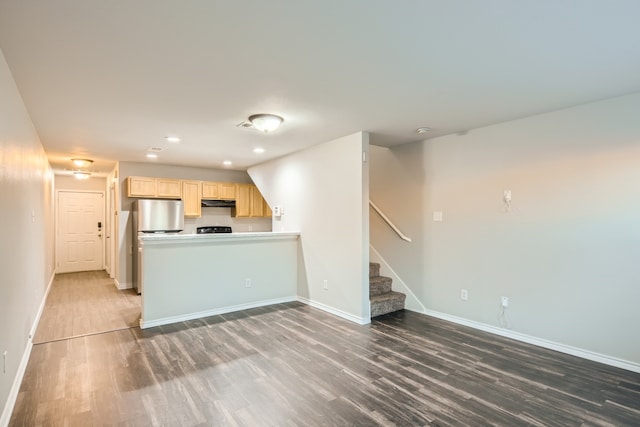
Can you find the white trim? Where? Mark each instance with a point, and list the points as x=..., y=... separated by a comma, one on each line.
x=397, y=283
x=36, y=321
x=121, y=286
x=17, y=381
x=540, y=342
x=335, y=311
x=207, y=313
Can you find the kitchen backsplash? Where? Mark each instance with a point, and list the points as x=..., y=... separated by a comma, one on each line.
x=222, y=217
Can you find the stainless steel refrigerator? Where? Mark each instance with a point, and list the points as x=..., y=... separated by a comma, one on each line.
x=153, y=216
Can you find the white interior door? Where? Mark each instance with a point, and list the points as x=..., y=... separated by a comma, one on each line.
x=80, y=231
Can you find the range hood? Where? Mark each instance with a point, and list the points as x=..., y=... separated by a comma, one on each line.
x=218, y=203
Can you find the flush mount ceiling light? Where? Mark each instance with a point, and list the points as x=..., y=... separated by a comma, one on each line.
x=258, y=150
x=227, y=163
x=266, y=122
x=151, y=156
x=81, y=174
x=173, y=139
x=423, y=129
x=81, y=163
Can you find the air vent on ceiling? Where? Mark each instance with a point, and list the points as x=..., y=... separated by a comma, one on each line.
x=155, y=149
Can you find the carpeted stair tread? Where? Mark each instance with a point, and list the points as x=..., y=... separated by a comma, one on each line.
x=386, y=303
x=379, y=285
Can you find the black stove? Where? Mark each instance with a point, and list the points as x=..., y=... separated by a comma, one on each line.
x=213, y=229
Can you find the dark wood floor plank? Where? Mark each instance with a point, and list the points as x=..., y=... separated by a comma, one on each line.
x=293, y=365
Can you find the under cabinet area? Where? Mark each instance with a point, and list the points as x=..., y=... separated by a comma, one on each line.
x=165, y=188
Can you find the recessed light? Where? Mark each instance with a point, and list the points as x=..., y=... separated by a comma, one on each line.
x=151, y=155
x=423, y=130
x=173, y=139
x=227, y=163
x=258, y=150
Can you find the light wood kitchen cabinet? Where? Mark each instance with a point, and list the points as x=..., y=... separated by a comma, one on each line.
x=169, y=188
x=250, y=203
x=243, y=201
x=218, y=190
x=210, y=191
x=140, y=186
x=191, y=197
x=227, y=190
x=257, y=202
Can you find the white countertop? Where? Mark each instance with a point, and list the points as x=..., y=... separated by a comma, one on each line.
x=151, y=238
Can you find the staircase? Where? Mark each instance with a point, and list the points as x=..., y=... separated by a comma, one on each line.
x=383, y=299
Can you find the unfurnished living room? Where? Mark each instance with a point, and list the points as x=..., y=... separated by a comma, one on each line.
x=329, y=213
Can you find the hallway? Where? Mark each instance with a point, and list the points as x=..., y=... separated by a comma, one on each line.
x=86, y=303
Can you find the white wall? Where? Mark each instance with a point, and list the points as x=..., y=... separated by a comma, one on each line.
x=190, y=277
x=26, y=245
x=567, y=254
x=324, y=192
x=94, y=183
x=210, y=215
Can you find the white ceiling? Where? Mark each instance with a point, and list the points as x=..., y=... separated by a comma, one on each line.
x=109, y=79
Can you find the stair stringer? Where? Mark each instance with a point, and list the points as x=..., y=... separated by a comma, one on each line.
x=412, y=302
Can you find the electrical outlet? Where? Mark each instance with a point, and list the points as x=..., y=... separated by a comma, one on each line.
x=247, y=283
x=464, y=294
x=325, y=284
x=504, y=301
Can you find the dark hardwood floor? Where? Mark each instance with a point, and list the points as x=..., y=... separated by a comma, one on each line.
x=293, y=365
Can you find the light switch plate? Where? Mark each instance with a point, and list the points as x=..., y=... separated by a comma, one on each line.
x=437, y=216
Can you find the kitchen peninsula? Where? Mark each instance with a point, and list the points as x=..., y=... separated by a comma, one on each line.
x=189, y=276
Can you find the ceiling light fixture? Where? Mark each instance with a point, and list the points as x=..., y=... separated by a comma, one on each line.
x=173, y=139
x=81, y=174
x=423, y=130
x=227, y=163
x=266, y=122
x=258, y=150
x=81, y=163
x=151, y=156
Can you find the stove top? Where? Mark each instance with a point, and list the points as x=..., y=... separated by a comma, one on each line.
x=213, y=229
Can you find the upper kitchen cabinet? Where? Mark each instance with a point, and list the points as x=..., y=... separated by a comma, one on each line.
x=164, y=188
x=218, y=191
x=243, y=201
x=249, y=202
x=191, y=196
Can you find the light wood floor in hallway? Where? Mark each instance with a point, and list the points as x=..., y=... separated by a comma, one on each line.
x=293, y=365
x=86, y=303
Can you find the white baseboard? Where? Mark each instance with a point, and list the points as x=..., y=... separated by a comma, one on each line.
x=122, y=286
x=335, y=311
x=17, y=381
x=207, y=313
x=540, y=342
